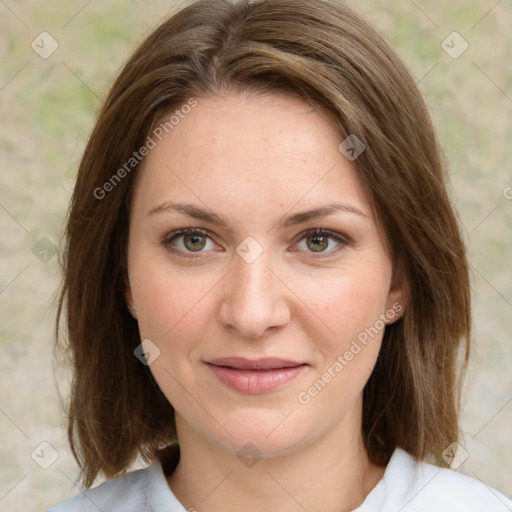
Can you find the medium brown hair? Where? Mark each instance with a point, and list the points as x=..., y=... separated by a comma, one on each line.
x=324, y=53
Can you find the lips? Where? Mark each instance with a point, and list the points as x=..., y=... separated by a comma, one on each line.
x=255, y=376
x=240, y=363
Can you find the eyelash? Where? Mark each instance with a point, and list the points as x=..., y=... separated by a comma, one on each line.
x=167, y=241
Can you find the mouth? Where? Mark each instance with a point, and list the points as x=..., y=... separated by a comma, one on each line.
x=255, y=376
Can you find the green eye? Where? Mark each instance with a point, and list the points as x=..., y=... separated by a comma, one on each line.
x=318, y=240
x=318, y=243
x=194, y=243
x=194, y=240
x=187, y=241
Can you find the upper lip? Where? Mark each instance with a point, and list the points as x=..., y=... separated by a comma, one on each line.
x=241, y=363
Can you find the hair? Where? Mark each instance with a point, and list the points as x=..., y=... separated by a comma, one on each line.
x=322, y=52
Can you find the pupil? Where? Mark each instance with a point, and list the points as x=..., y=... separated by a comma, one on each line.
x=321, y=242
x=194, y=239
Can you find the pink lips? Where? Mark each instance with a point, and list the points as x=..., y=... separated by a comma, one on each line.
x=254, y=376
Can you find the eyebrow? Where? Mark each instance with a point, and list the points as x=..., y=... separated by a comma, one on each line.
x=285, y=221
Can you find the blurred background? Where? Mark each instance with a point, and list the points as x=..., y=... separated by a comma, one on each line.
x=57, y=60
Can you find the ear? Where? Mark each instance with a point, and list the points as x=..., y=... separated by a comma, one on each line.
x=128, y=295
x=398, y=296
x=129, y=299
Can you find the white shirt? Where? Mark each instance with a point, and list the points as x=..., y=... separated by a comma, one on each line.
x=404, y=487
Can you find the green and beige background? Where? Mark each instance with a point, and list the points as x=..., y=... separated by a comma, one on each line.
x=47, y=109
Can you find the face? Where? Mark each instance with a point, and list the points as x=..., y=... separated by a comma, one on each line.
x=264, y=321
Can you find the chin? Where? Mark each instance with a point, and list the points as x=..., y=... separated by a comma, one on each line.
x=269, y=433
x=258, y=443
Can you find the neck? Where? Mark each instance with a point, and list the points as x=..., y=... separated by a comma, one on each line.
x=332, y=474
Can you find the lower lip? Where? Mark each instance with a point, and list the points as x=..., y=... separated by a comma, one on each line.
x=255, y=382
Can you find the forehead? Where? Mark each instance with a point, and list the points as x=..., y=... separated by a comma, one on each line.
x=255, y=128
x=272, y=147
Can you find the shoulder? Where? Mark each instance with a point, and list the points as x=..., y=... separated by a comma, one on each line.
x=445, y=489
x=144, y=490
x=125, y=493
x=411, y=486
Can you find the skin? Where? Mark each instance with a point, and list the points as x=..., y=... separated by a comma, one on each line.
x=253, y=159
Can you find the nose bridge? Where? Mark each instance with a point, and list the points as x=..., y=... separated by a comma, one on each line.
x=254, y=300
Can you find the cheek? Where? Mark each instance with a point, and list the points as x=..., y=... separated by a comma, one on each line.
x=351, y=311
x=347, y=304
x=171, y=305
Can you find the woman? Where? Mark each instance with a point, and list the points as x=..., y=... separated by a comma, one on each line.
x=265, y=283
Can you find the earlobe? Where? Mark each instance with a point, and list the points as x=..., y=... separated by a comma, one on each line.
x=129, y=301
x=398, y=296
x=128, y=294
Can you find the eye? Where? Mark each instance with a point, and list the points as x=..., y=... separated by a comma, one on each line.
x=187, y=240
x=318, y=240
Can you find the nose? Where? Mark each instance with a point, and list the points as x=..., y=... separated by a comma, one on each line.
x=255, y=298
